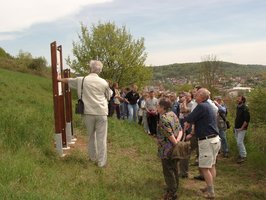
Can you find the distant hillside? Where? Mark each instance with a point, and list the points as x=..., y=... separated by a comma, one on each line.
x=180, y=70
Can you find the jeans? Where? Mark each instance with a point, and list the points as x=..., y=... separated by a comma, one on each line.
x=222, y=135
x=240, y=136
x=123, y=110
x=132, y=112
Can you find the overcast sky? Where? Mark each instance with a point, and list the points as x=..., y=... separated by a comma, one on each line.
x=175, y=31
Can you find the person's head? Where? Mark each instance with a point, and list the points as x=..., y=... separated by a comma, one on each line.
x=188, y=96
x=96, y=66
x=172, y=96
x=218, y=99
x=197, y=87
x=181, y=97
x=145, y=95
x=241, y=99
x=164, y=105
x=134, y=88
x=115, y=85
x=151, y=94
x=202, y=95
x=166, y=95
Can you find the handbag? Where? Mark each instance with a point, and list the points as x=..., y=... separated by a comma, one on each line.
x=79, y=109
x=182, y=149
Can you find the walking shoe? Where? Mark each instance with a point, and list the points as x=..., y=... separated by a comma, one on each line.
x=184, y=176
x=225, y=155
x=199, y=177
x=203, y=190
x=170, y=196
x=241, y=160
x=209, y=196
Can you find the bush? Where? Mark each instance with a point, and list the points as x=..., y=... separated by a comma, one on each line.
x=257, y=106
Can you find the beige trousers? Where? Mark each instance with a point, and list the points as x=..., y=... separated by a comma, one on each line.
x=97, y=132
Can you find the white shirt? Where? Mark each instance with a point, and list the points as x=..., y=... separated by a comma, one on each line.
x=96, y=93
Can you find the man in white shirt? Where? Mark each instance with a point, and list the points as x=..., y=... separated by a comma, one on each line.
x=95, y=95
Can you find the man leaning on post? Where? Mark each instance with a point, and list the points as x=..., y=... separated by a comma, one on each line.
x=96, y=93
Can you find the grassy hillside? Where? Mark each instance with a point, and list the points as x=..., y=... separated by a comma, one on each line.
x=30, y=169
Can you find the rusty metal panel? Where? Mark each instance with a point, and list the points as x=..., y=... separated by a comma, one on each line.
x=58, y=97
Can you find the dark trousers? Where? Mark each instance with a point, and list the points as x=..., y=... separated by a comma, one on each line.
x=140, y=120
x=152, y=123
x=183, y=167
x=116, y=108
x=184, y=163
x=170, y=172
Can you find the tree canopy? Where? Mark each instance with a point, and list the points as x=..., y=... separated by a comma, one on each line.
x=122, y=56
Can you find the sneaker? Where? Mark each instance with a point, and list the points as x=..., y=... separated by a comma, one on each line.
x=203, y=190
x=183, y=176
x=241, y=160
x=226, y=155
x=209, y=196
x=199, y=177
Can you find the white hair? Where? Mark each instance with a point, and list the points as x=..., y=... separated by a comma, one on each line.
x=96, y=66
x=204, y=93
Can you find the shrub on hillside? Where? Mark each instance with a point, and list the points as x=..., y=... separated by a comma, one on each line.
x=4, y=54
x=257, y=105
x=37, y=64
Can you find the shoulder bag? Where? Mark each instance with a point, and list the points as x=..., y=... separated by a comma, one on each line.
x=182, y=149
x=228, y=125
x=80, y=104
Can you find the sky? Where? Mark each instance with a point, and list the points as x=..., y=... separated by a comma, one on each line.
x=174, y=31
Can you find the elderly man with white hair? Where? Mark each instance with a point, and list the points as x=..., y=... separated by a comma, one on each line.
x=96, y=93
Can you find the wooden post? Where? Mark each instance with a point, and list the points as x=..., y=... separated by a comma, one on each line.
x=68, y=108
x=61, y=99
x=58, y=98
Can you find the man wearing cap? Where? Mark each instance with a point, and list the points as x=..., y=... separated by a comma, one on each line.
x=206, y=132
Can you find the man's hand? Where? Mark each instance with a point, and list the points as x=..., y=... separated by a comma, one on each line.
x=186, y=126
x=189, y=136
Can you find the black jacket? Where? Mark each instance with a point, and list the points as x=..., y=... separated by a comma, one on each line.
x=242, y=115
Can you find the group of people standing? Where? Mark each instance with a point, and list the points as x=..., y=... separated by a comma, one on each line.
x=191, y=115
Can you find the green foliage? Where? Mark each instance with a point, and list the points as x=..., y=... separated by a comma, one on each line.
x=122, y=56
x=24, y=62
x=4, y=54
x=37, y=64
x=257, y=106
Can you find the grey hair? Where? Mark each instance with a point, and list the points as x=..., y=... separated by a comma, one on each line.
x=204, y=93
x=96, y=66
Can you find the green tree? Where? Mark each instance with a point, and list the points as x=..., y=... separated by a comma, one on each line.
x=24, y=58
x=122, y=56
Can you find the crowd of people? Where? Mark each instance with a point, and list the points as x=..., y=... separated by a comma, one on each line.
x=190, y=115
x=201, y=119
